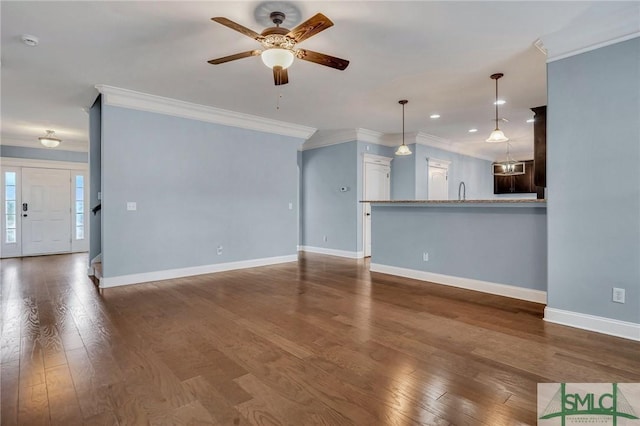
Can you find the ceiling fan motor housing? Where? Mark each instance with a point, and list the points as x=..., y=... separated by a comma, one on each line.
x=277, y=18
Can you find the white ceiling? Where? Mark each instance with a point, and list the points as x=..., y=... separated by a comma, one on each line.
x=438, y=55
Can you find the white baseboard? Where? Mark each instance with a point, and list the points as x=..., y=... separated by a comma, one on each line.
x=96, y=259
x=106, y=282
x=467, y=283
x=333, y=252
x=627, y=330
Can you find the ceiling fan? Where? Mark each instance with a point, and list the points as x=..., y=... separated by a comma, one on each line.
x=279, y=45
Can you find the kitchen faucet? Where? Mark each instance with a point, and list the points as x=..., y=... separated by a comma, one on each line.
x=462, y=187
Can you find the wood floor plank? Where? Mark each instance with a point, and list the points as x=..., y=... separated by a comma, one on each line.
x=321, y=341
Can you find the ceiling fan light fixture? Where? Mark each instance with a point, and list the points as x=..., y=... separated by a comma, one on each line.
x=50, y=141
x=277, y=57
x=497, y=135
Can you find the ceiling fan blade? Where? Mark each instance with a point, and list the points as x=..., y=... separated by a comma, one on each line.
x=310, y=27
x=280, y=76
x=235, y=26
x=234, y=57
x=322, y=59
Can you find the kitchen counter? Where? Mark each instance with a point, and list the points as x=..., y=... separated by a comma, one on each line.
x=500, y=202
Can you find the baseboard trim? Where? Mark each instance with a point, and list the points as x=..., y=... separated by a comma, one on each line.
x=612, y=327
x=528, y=294
x=107, y=282
x=333, y=252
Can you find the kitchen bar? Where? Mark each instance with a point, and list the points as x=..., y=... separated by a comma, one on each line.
x=493, y=246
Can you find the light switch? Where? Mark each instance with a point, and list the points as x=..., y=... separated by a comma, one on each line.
x=290, y=206
x=131, y=205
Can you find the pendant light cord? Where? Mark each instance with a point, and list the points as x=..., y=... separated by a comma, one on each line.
x=497, y=104
x=402, y=124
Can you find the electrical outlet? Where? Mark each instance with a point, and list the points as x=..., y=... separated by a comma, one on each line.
x=219, y=250
x=290, y=206
x=324, y=238
x=618, y=295
x=132, y=206
x=425, y=256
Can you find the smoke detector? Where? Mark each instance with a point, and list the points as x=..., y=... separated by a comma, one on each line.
x=29, y=40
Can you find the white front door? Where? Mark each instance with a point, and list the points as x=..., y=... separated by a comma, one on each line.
x=46, y=212
x=438, y=183
x=376, y=187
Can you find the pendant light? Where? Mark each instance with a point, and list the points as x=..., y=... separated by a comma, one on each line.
x=497, y=135
x=509, y=167
x=50, y=141
x=403, y=149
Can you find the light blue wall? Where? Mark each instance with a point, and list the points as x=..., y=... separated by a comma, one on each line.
x=95, y=134
x=51, y=154
x=474, y=172
x=593, y=180
x=504, y=245
x=326, y=210
x=403, y=172
x=197, y=186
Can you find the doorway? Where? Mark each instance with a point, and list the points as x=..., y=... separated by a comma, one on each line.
x=376, y=186
x=43, y=208
x=438, y=175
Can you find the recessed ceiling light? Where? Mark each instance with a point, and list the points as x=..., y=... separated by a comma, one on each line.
x=473, y=130
x=434, y=116
x=29, y=40
x=500, y=102
x=530, y=120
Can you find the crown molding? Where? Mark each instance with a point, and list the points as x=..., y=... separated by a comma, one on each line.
x=575, y=52
x=371, y=136
x=323, y=138
x=593, y=29
x=125, y=98
x=426, y=139
x=23, y=142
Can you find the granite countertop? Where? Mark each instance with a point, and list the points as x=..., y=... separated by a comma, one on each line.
x=492, y=201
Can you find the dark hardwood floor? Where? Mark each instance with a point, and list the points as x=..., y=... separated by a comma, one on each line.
x=321, y=341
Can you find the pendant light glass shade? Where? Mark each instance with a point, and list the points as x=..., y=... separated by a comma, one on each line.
x=50, y=141
x=403, y=149
x=276, y=57
x=497, y=135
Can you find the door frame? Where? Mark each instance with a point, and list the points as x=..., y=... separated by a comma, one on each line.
x=372, y=159
x=15, y=165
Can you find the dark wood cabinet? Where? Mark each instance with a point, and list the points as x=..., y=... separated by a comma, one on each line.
x=540, y=145
x=518, y=184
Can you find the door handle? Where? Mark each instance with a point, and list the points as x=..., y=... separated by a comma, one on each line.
x=25, y=207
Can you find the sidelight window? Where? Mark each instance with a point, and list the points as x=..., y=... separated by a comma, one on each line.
x=10, y=210
x=79, y=207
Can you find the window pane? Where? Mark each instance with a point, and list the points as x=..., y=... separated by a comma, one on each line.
x=10, y=178
x=79, y=219
x=10, y=207
x=79, y=233
x=11, y=235
x=79, y=181
x=79, y=207
x=11, y=221
x=11, y=193
x=79, y=194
